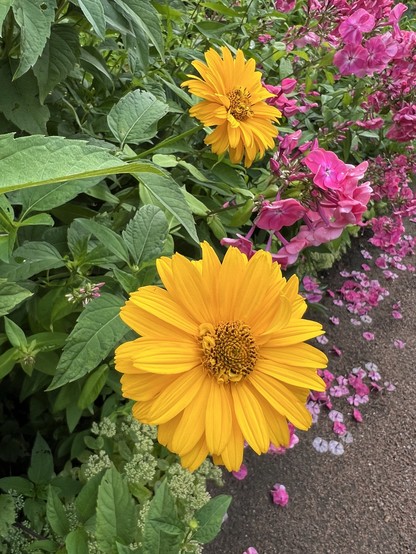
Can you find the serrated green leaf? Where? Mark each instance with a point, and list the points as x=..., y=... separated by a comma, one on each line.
x=146, y=233
x=93, y=386
x=97, y=331
x=94, y=13
x=145, y=20
x=19, y=101
x=86, y=501
x=14, y=333
x=11, y=295
x=133, y=119
x=167, y=195
x=58, y=58
x=76, y=542
x=7, y=513
x=34, y=18
x=55, y=512
x=116, y=512
x=110, y=239
x=32, y=258
x=41, y=462
x=163, y=531
x=210, y=518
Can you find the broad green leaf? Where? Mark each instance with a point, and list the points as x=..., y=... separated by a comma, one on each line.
x=7, y=513
x=41, y=462
x=19, y=101
x=285, y=68
x=133, y=119
x=163, y=531
x=56, y=160
x=14, y=333
x=210, y=518
x=93, y=386
x=128, y=281
x=145, y=20
x=8, y=360
x=86, y=501
x=58, y=58
x=34, y=18
x=56, y=514
x=167, y=195
x=146, y=233
x=94, y=13
x=110, y=239
x=18, y=484
x=38, y=219
x=73, y=414
x=76, y=542
x=4, y=8
x=97, y=331
x=116, y=513
x=11, y=295
x=31, y=258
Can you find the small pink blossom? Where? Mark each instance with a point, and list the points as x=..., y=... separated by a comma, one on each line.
x=241, y=473
x=368, y=336
x=284, y=5
x=396, y=314
x=264, y=39
x=339, y=428
x=352, y=28
x=250, y=550
x=322, y=339
x=356, y=414
x=352, y=60
x=397, y=343
x=389, y=386
x=279, y=495
x=280, y=213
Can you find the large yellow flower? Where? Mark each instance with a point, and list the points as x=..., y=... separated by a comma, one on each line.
x=221, y=357
x=234, y=101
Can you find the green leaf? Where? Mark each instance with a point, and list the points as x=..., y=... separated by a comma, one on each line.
x=18, y=484
x=163, y=531
x=8, y=360
x=146, y=233
x=14, y=333
x=145, y=20
x=58, y=58
x=4, y=8
x=86, y=501
x=7, y=514
x=32, y=258
x=97, y=331
x=93, y=386
x=38, y=219
x=56, y=514
x=77, y=542
x=109, y=238
x=19, y=101
x=133, y=119
x=167, y=195
x=34, y=18
x=116, y=512
x=285, y=68
x=210, y=518
x=11, y=295
x=41, y=462
x=94, y=13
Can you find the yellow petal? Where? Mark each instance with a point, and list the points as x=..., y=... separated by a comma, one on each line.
x=193, y=459
x=298, y=376
x=166, y=431
x=166, y=357
x=250, y=417
x=144, y=386
x=298, y=355
x=218, y=418
x=232, y=455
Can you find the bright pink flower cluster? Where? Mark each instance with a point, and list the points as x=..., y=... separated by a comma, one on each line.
x=289, y=106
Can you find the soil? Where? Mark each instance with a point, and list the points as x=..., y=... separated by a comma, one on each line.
x=363, y=502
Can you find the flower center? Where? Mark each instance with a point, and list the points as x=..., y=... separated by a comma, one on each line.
x=240, y=105
x=229, y=350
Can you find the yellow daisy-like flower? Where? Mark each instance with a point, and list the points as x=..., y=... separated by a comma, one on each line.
x=221, y=357
x=234, y=101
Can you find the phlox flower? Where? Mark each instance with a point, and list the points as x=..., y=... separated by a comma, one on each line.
x=352, y=28
x=275, y=215
x=279, y=495
x=241, y=473
x=328, y=169
x=284, y=5
x=352, y=60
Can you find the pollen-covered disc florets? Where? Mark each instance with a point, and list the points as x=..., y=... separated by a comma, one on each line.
x=229, y=350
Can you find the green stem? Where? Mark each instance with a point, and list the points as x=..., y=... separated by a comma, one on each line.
x=166, y=142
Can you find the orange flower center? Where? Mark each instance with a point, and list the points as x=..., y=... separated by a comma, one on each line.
x=229, y=350
x=240, y=104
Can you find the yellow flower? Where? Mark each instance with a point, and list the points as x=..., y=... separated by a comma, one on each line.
x=234, y=101
x=221, y=357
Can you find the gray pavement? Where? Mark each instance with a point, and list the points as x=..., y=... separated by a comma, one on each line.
x=363, y=502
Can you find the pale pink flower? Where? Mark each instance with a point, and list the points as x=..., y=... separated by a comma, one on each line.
x=394, y=17
x=284, y=5
x=275, y=215
x=356, y=414
x=242, y=243
x=264, y=39
x=241, y=473
x=251, y=550
x=368, y=336
x=397, y=343
x=328, y=169
x=352, y=60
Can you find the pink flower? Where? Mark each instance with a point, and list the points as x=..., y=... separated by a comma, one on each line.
x=339, y=428
x=280, y=213
x=368, y=336
x=359, y=22
x=352, y=60
x=242, y=243
x=251, y=550
x=279, y=495
x=328, y=169
x=397, y=343
x=284, y=5
x=404, y=126
x=241, y=473
x=264, y=39
x=394, y=17
x=396, y=314
x=356, y=414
